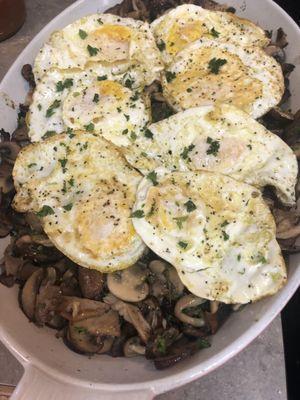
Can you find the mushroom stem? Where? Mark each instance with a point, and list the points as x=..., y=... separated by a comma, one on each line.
x=189, y=301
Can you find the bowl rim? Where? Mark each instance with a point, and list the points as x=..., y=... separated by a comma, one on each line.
x=173, y=380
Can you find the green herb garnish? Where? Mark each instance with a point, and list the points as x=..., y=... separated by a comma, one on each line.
x=60, y=86
x=96, y=98
x=190, y=206
x=51, y=109
x=214, y=146
x=44, y=211
x=82, y=34
x=138, y=214
x=93, y=51
x=90, y=127
x=180, y=220
x=186, y=150
x=101, y=78
x=48, y=134
x=170, y=76
x=214, y=33
x=161, y=45
x=215, y=64
x=68, y=207
x=183, y=245
x=152, y=176
x=225, y=235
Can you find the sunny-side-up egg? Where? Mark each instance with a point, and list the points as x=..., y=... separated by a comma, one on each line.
x=106, y=43
x=220, y=138
x=85, y=101
x=207, y=71
x=218, y=233
x=186, y=23
x=83, y=190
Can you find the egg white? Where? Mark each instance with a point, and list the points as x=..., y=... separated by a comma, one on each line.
x=83, y=190
x=218, y=233
x=85, y=100
x=220, y=138
x=123, y=47
x=206, y=72
x=187, y=23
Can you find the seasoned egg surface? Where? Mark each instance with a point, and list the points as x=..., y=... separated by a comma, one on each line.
x=123, y=47
x=208, y=71
x=86, y=101
x=83, y=191
x=221, y=139
x=187, y=23
x=217, y=232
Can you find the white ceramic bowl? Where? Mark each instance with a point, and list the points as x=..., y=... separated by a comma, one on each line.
x=52, y=371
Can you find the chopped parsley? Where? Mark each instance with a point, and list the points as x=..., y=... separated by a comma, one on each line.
x=100, y=22
x=60, y=86
x=129, y=82
x=239, y=257
x=133, y=136
x=39, y=106
x=214, y=146
x=101, y=78
x=189, y=90
x=170, y=76
x=225, y=235
x=63, y=162
x=80, y=329
x=183, y=245
x=93, y=51
x=249, y=146
x=96, y=98
x=48, y=134
x=161, y=345
x=124, y=132
x=44, y=211
x=90, y=127
x=71, y=182
x=148, y=134
x=203, y=343
x=261, y=259
x=134, y=97
x=138, y=214
x=68, y=207
x=161, y=45
x=215, y=64
x=180, y=220
x=51, y=109
x=82, y=34
x=127, y=117
x=70, y=133
x=186, y=150
x=190, y=206
x=225, y=223
x=152, y=176
x=214, y=33
x=32, y=165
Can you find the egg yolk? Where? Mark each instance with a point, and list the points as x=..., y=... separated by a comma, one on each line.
x=181, y=35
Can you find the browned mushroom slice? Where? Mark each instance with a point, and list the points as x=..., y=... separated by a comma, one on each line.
x=188, y=310
x=29, y=293
x=152, y=312
x=181, y=350
x=20, y=135
x=79, y=340
x=133, y=347
x=215, y=319
x=6, y=183
x=276, y=52
x=77, y=309
x=129, y=284
x=9, y=151
x=134, y=316
x=160, y=343
x=34, y=222
x=69, y=283
x=47, y=299
x=105, y=324
x=281, y=38
x=12, y=263
x=27, y=74
x=287, y=223
x=26, y=271
x=91, y=282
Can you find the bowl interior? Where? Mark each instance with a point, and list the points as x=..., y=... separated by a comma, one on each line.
x=30, y=343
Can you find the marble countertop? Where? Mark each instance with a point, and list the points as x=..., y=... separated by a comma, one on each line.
x=257, y=373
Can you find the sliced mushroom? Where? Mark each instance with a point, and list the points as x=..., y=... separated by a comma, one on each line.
x=105, y=324
x=287, y=223
x=215, y=320
x=129, y=284
x=133, y=347
x=69, y=283
x=80, y=341
x=189, y=302
x=134, y=316
x=27, y=74
x=281, y=38
x=107, y=345
x=29, y=293
x=279, y=117
x=34, y=222
x=214, y=305
x=181, y=350
x=20, y=135
x=77, y=309
x=9, y=151
x=12, y=264
x=26, y=271
x=160, y=343
x=276, y=52
x=91, y=282
x=6, y=182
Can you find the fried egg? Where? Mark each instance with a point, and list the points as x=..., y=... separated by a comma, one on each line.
x=187, y=23
x=106, y=43
x=220, y=138
x=83, y=190
x=218, y=233
x=207, y=71
x=85, y=101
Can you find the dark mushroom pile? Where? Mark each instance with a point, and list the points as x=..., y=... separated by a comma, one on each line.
x=145, y=309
